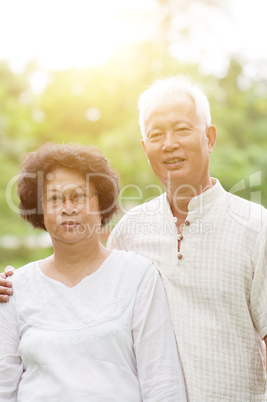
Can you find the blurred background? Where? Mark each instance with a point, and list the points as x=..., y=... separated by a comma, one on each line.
x=72, y=71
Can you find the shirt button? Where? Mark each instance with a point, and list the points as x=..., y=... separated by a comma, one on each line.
x=180, y=256
x=180, y=237
x=187, y=223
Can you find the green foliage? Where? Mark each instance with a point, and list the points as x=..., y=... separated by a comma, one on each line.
x=22, y=256
x=240, y=117
x=98, y=106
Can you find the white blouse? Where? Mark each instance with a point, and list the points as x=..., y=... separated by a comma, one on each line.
x=109, y=338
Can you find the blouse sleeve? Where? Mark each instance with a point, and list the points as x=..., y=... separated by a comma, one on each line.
x=10, y=363
x=158, y=364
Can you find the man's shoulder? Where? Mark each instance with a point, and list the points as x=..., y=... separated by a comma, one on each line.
x=129, y=224
x=246, y=211
x=245, y=203
x=148, y=208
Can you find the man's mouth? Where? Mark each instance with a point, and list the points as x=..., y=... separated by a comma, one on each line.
x=173, y=161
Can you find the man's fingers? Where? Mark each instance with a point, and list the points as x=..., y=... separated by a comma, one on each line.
x=9, y=270
x=5, y=284
x=5, y=293
x=4, y=298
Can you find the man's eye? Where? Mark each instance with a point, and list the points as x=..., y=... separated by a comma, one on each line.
x=182, y=130
x=155, y=136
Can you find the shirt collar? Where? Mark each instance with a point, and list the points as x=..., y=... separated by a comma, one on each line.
x=207, y=197
x=200, y=201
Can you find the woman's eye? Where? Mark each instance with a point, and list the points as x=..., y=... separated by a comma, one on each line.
x=75, y=197
x=55, y=198
x=79, y=196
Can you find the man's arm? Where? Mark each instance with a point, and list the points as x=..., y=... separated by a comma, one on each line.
x=11, y=366
x=5, y=284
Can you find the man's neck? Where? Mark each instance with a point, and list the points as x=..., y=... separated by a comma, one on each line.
x=180, y=197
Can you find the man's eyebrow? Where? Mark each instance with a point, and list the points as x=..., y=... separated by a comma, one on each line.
x=154, y=128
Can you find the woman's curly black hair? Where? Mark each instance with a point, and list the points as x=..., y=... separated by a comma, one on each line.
x=87, y=160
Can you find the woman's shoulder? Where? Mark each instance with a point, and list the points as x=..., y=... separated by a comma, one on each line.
x=132, y=259
x=25, y=273
x=131, y=266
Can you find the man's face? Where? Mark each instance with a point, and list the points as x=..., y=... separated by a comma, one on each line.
x=177, y=144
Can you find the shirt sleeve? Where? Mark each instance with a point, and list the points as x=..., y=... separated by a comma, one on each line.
x=117, y=238
x=158, y=364
x=258, y=301
x=10, y=363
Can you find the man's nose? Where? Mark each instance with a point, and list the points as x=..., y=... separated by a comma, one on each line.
x=170, y=141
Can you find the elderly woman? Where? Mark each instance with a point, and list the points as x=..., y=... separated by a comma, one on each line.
x=86, y=323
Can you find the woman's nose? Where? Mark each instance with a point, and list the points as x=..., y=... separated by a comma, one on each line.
x=69, y=206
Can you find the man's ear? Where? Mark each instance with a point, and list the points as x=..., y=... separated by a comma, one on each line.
x=144, y=148
x=211, y=134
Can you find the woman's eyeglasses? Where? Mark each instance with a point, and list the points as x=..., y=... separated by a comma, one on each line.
x=76, y=198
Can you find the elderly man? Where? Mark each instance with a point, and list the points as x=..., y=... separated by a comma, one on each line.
x=209, y=246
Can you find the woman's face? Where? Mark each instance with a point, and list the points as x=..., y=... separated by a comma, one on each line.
x=70, y=207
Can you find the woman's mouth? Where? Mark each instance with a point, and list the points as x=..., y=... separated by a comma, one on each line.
x=69, y=224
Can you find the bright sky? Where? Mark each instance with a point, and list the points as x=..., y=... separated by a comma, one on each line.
x=80, y=33
x=65, y=33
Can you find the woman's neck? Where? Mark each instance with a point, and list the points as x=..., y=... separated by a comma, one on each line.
x=70, y=263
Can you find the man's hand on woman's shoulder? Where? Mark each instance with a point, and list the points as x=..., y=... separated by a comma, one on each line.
x=5, y=284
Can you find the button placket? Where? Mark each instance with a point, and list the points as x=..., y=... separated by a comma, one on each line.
x=180, y=237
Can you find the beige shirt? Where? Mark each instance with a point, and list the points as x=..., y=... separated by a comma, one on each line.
x=216, y=288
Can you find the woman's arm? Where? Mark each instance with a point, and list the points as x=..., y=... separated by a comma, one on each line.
x=158, y=364
x=10, y=363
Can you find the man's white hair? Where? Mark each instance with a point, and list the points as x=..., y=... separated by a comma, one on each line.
x=164, y=91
